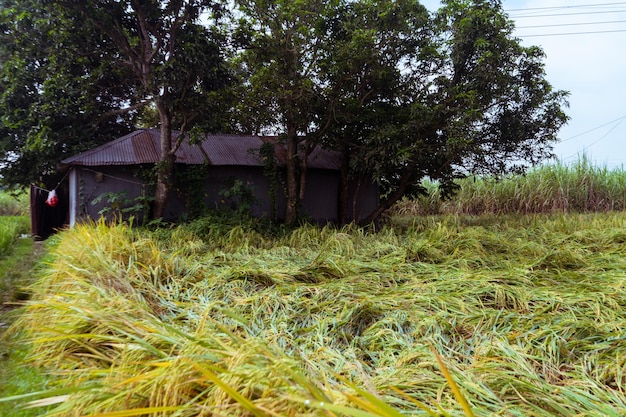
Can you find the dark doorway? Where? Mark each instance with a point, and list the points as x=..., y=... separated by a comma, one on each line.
x=45, y=219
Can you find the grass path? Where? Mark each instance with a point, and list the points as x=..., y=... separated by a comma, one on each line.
x=17, y=270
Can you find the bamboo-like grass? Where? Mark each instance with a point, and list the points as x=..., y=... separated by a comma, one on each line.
x=552, y=188
x=511, y=316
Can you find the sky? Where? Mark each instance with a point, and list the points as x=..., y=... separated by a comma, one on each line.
x=585, y=46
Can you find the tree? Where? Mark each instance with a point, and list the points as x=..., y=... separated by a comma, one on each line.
x=175, y=61
x=141, y=54
x=401, y=94
x=281, y=43
x=58, y=91
x=363, y=74
x=482, y=107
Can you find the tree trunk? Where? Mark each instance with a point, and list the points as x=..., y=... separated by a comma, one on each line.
x=303, y=169
x=405, y=181
x=291, y=211
x=165, y=168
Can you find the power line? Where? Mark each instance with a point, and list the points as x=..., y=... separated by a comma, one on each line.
x=594, y=10
x=566, y=7
x=572, y=24
x=619, y=119
x=568, y=14
x=572, y=33
x=601, y=138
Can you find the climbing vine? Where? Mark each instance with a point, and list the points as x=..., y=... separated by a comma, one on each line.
x=270, y=170
x=190, y=184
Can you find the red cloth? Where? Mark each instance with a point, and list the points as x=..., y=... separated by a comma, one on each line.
x=52, y=200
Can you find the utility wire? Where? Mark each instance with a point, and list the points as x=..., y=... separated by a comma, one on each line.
x=587, y=13
x=619, y=119
x=572, y=33
x=568, y=14
x=601, y=138
x=571, y=24
x=566, y=7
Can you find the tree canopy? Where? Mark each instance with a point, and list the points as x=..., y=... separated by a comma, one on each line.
x=400, y=93
x=59, y=92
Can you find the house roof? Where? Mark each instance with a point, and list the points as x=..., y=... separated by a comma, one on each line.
x=143, y=147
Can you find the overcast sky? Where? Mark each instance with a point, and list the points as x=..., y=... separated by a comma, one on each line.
x=589, y=62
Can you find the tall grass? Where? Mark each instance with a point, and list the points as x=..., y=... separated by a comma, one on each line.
x=444, y=316
x=17, y=259
x=554, y=188
x=11, y=227
x=14, y=205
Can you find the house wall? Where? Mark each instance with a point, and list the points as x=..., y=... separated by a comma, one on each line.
x=222, y=177
x=320, y=204
x=321, y=195
x=90, y=183
x=365, y=198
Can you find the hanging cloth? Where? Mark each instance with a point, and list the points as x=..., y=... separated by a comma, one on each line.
x=52, y=199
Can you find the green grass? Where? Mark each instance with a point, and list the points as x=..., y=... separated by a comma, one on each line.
x=551, y=188
x=14, y=205
x=16, y=254
x=17, y=271
x=11, y=228
x=454, y=315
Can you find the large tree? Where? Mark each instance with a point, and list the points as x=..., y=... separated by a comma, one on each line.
x=160, y=53
x=485, y=107
x=402, y=94
x=175, y=61
x=281, y=44
x=58, y=93
x=363, y=73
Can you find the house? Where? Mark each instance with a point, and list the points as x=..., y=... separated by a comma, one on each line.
x=119, y=167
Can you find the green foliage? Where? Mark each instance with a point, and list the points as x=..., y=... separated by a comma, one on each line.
x=238, y=196
x=18, y=379
x=190, y=182
x=439, y=95
x=17, y=271
x=58, y=86
x=270, y=171
x=14, y=205
x=118, y=206
x=11, y=227
x=442, y=316
x=17, y=252
x=556, y=187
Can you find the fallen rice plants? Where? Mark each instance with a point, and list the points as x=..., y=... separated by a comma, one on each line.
x=485, y=316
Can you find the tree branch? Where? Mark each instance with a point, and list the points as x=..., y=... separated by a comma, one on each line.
x=118, y=112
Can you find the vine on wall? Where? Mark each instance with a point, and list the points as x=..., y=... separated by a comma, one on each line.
x=270, y=170
x=190, y=184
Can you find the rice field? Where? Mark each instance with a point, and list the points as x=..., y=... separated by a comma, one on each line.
x=444, y=316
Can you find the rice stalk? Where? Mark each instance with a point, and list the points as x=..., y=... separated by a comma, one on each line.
x=526, y=314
